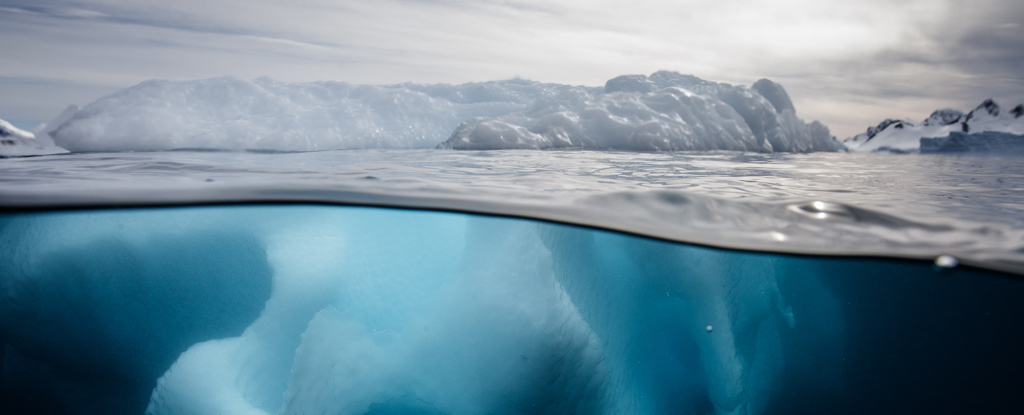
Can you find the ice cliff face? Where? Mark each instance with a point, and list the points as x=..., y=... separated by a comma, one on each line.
x=906, y=135
x=666, y=111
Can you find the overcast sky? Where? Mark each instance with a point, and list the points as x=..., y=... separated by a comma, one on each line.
x=846, y=63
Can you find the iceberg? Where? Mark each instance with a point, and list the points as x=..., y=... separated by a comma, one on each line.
x=353, y=310
x=904, y=136
x=988, y=142
x=234, y=114
x=664, y=112
x=667, y=111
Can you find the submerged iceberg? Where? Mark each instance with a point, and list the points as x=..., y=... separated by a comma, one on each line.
x=906, y=135
x=666, y=111
x=318, y=309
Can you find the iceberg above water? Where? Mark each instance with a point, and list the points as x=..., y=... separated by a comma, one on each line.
x=234, y=114
x=667, y=111
x=664, y=112
x=949, y=125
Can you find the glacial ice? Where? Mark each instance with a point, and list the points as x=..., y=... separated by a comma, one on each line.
x=316, y=309
x=666, y=111
x=906, y=135
x=263, y=114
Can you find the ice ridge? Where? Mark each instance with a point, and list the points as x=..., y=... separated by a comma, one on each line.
x=663, y=112
x=907, y=136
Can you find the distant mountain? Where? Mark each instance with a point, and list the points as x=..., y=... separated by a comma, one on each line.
x=905, y=135
x=9, y=133
x=17, y=142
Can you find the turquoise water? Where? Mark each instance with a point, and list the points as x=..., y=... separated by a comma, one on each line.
x=294, y=308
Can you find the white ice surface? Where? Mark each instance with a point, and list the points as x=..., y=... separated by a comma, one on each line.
x=663, y=112
x=266, y=115
x=666, y=111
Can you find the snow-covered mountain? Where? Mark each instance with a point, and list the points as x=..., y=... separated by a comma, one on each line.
x=905, y=135
x=17, y=142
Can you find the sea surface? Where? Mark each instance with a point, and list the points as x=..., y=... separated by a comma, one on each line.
x=906, y=205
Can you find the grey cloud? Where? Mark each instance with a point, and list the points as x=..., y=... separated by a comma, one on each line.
x=972, y=54
x=976, y=52
x=166, y=18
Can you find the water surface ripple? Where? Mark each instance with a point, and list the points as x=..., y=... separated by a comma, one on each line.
x=917, y=206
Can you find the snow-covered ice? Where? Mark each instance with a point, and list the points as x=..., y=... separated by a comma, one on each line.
x=906, y=135
x=666, y=111
x=266, y=115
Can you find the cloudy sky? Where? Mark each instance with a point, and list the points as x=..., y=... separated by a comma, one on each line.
x=846, y=63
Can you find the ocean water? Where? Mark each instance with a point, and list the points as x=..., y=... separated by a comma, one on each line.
x=442, y=282
x=905, y=206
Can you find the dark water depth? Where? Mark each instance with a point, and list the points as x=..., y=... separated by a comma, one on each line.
x=298, y=309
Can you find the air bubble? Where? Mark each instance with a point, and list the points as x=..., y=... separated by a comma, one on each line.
x=946, y=261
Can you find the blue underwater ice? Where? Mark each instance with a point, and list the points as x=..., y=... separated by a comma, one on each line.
x=301, y=309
